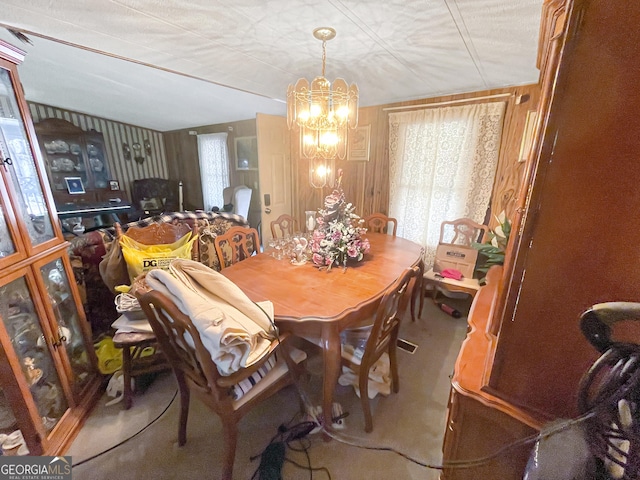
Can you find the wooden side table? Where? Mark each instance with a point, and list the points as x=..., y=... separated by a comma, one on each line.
x=134, y=362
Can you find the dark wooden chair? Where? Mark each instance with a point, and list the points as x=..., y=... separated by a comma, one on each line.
x=379, y=223
x=382, y=337
x=236, y=244
x=196, y=372
x=154, y=196
x=283, y=225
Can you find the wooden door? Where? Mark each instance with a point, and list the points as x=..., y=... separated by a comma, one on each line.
x=274, y=161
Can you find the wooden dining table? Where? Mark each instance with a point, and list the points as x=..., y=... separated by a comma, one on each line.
x=318, y=304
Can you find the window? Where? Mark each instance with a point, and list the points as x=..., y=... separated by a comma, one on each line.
x=442, y=165
x=214, y=168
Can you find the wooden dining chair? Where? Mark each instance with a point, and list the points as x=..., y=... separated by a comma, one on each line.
x=134, y=362
x=379, y=223
x=236, y=244
x=283, y=225
x=383, y=337
x=196, y=372
x=463, y=232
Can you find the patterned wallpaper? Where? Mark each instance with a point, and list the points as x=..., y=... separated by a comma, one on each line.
x=115, y=134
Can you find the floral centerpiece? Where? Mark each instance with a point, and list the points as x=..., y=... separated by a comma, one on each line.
x=338, y=236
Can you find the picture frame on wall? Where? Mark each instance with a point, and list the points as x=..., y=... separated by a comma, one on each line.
x=246, y=153
x=359, y=144
x=114, y=185
x=74, y=185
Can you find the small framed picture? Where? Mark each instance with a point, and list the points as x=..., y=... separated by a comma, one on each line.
x=114, y=185
x=74, y=185
x=358, y=144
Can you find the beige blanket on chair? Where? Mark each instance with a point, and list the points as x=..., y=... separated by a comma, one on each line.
x=234, y=329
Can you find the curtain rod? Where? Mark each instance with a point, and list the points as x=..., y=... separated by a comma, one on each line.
x=449, y=102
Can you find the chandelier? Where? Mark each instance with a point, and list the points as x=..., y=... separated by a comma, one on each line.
x=323, y=114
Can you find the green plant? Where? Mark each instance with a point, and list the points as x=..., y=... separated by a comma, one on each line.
x=492, y=253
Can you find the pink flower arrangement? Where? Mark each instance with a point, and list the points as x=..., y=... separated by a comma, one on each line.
x=338, y=234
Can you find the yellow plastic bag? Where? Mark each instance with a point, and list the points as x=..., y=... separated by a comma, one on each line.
x=153, y=256
x=130, y=242
x=109, y=357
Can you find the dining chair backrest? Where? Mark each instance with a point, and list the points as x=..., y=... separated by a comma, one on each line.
x=236, y=244
x=462, y=231
x=164, y=233
x=383, y=337
x=160, y=234
x=283, y=225
x=379, y=223
x=196, y=372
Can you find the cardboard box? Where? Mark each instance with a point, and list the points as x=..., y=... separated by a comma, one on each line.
x=456, y=256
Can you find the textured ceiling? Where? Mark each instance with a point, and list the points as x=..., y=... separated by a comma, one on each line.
x=236, y=58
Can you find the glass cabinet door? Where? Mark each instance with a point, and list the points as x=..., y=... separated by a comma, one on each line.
x=7, y=246
x=19, y=163
x=64, y=161
x=68, y=319
x=97, y=161
x=8, y=422
x=21, y=322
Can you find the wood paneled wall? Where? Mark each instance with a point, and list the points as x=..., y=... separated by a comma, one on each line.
x=115, y=134
x=366, y=183
x=182, y=154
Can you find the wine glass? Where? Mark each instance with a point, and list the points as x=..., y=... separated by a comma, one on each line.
x=278, y=246
x=272, y=247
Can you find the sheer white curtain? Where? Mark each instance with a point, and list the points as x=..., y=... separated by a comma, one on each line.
x=442, y=165
x=214, y=167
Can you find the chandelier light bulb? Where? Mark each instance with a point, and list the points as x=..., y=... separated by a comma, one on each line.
x=315, y=110
x=343, y=112
x=329, y=138
x=309, y=140
x=322, y=171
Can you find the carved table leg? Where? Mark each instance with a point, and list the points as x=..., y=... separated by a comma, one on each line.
x=331, y=355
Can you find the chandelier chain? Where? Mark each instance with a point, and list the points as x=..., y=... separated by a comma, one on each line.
x=324, y=56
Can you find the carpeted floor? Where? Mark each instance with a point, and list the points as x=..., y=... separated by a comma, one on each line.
x=411, y=422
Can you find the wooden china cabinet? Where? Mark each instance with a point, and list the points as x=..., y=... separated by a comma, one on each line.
x=574, y=242
x=70, y=152
x=48, y=373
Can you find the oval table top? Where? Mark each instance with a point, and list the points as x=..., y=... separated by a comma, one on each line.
x=305, y=293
